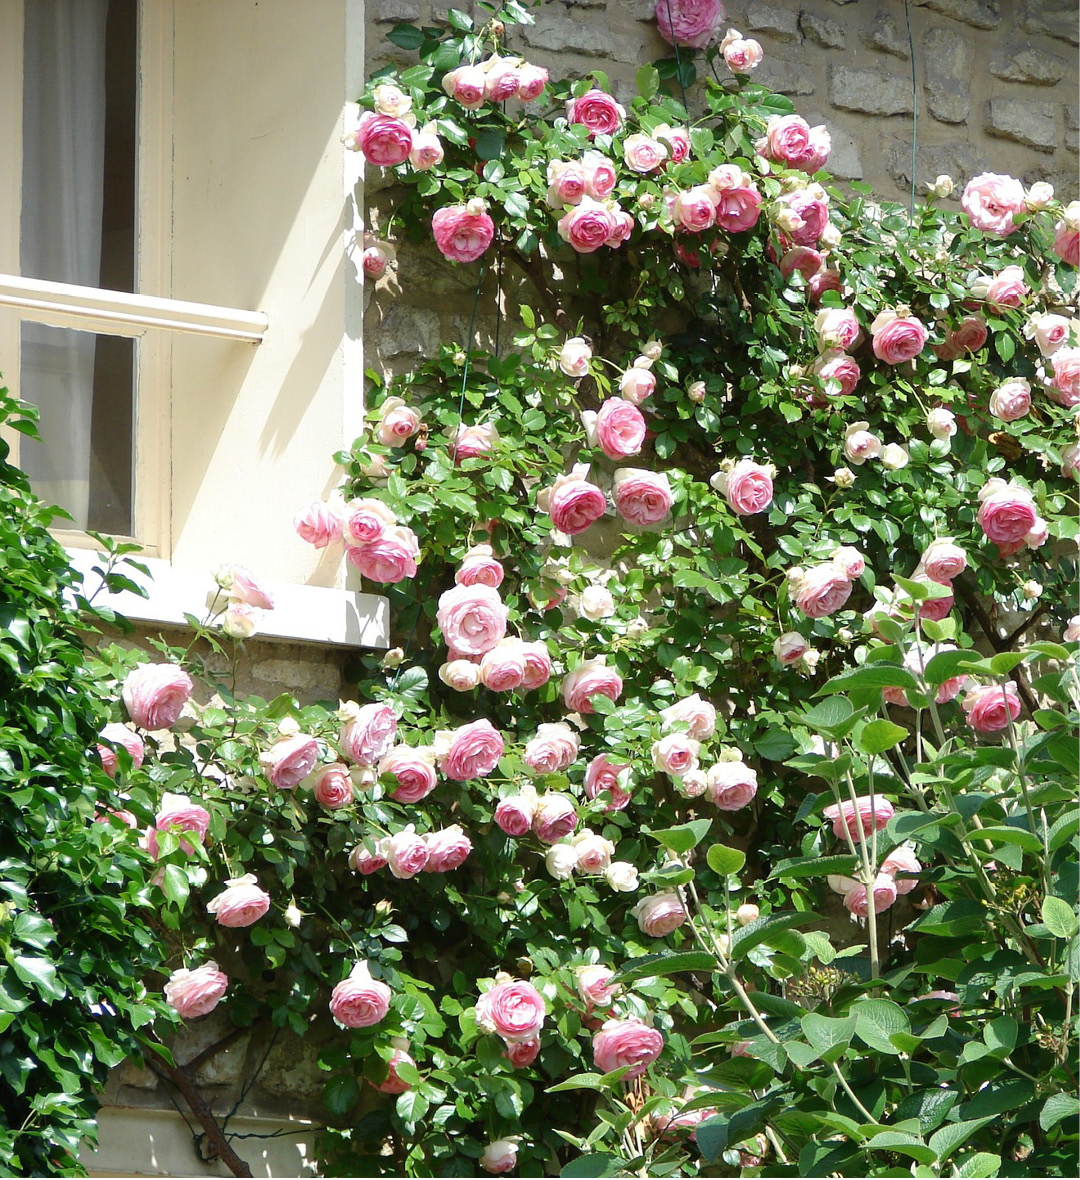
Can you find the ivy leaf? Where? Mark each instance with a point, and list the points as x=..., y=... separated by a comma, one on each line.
x=40, y=974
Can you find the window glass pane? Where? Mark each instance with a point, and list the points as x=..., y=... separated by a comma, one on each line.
x=78, y=226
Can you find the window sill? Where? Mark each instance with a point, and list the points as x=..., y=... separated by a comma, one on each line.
x=301, y=614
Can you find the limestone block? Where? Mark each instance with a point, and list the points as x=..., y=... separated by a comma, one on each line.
x=128, y=1073
x=830, y=34
x=1027, y=122
x=292, y=1069
x=885, y=34
x=405, y=330
x=387, y=11
x=1055, y=18
x=561, y=34
x=779, y=22
x=980, y=14
x=785, y=77
x=948, y=92
x=1072, y=125
x=844, y=161
x=1029, y=64
x=870, y=92
x=956, y=158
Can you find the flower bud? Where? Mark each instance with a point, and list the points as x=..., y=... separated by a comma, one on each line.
x=843, y=477
x=393, y=658
x=747, y=913
x=696, y=392
x=941, y=188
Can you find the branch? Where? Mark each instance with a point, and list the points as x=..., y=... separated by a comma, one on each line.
x=1031, y=618
x=529, y=266
x=181, y=1079
x=213, y=1050
x=997, y=642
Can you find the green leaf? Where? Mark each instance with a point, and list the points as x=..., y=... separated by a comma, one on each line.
x=665, y=963
x=953, y=918
x=648, y=81
x=175, y=884
x=406, y=36
x=411, y=1107
x=945, y=665
x=877, y=1020
x=979, y=1164
x=870, y=676
x=579, y=1081
x=685, y=836
x=814, y=866
x=341, y=1093
x=1059, y=917
x=829, y=1035
x=1028, y=841
x=763, y=929
x=1056, y=1108
x=724, y=860
x=826, y=716
x=40, y=974
x=879, y=736
x=594, y=1163
x=905, y=1143
x=954, y=1135
x=490, y=142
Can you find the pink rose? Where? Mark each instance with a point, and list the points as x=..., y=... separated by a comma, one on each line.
x=1050, y=332
x=600, y=175
x=902, y=860
x=502, y=668
x=897, y=338
x=689, y=22
x=850, y=560
x=642, y=153
x=806, y=214
x=514, y=814
x=567, y=183
x=742, y=55
x=553, y=748
x=319, y=525
x=479, y=567
x=390, y=559
x=470, y=442
x=556, y=816
x=786, y=140
x=936, y=609
x=574, y=357
x=363, y=860
x=499, y=1156
x=573, y=504
x=677, y=140
x=115, y=734
x=333, y=787
x=472, y=618
x=394, y=1083
x=376, y=257
x=738, y=209
x=820, y=148
x=824, y=280
x=731, y=785
x=626, y=1043
x=473, y=751
x=602, y=775
x=413, y=770
x=364, y=521
x=155, y=694
x=591, y=678
x=521, y=1054
x=636, y=385
x=360, y=1001
x=804, y=259
x=594, y=988
x=991, y=201
x=884, y=894
x=586, y=226
x=178, y=814
x=1005, y=289
x=427, y=149
x=659, y=914
x=385, y=141
x=466, y=84
x=447, y=849
x=1011, y=400
x=835, y=365
x=698, y=715
x=873, y=812
x=406, y=853
x=789, y=647
x=695, y=209
x=642, y=497
x=460, y=235
x=943, y=560
x=196, y=992
x=513, y=1010
x=749, y=488
x=290, y=759
x=597, y=111
x=1067, y=243
x=537, y=665
x=531, y=81
x=367, y=733
x=990, y=708
x=971, y=335
x=1007, y=514
x=822, y=590
x=1064, y=386
x=620, y=428
x=502, y=79
x=837, y=328
x=860, y=444
x=240, y=903
x=675, y=754
x=397, y=423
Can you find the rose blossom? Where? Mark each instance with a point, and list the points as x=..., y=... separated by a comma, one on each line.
x=822, y=590
x=365, y=860
x=384, y=140
x=390, y=559
x=789, y=647
x=240, y=903
x=897, y=338
x=884, y=894
x=572, y=502
x=499, y=1156
x=835, y=365
x=502, y=668
x=636, y=385
x=406, y=853
x=466, y=84
x=738, y=209
x=521, y=1054
x=514, y=814
x=586, y=226
x=602, y=775
x=447, y=849
x=376, y=257
x=472, y=618
x=825, y=280
x=803, y=215
x=747, y=913
x=574, y=357
x=786, y=140
x=742, y=55
x=461, y=235
x=427, y=149
x=394, y=1083
x=699, y=716
x=566, y=183
x=990, y=707
x=626, y=1043
x=731, y=785
x=596, y=603
x=1050, y=332
x=318, y=524
x=941, y=423
x=367, y=732
x=560, y=862
x=677, y=140
x=333, y=786
x=290, y=759
x=514, y=1010
x=1070, y=461
x=117, y=734
x=1005, y=289
x=1067, y=241
x=479, y=566
x=472, y=750
x=675, y=754
x=531, y=81
x=501, y=78
x=365, y=520
x=597, y=111
x=1064, y=386
x=1072, y=631
x=695, y=208
x=642, y=497
x=196, y=992
x=689, y=22
x=873, y=812
x=902, y=860
x=836, y=328
x=553, y=748
x=600, y=175
x=620, y=428
x=850, y=560
x=591, y=678
x=556, y=816
x=397, y=423
x=1007, y=513
x=968, y=337
x=360, y=1001
x=860, y=444
x=155, y=694
x=537, y=665
x=593, y=986
x=659, y=914
x=593, y=852
x=991, y=201
x=943, y=560
x=642, y=153
x=470, y=442
x=413, y=769
x=1011, y=400
x=749, y=488
x=622, y=876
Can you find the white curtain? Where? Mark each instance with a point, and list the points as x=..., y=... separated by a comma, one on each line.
x=63, y=182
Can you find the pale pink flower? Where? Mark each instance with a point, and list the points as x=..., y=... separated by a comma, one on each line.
x=749, y=488
x=591, y=678
x=240, y=903
x=897, y=338
x=115, y=734
x=659, y=914
x=365, y=520
x=390, y=559
x=515, y=814
x=620, y=428
x=499, y=1156
x=376, y=256
x=1005, y=289
x=572, y=502
x=850, y=560
x=990, y=707
x=501, y=78
x=689, y=22
x=600, y=175
x=622, y=1043
x=642, y=153
x=731, y=785
x=555, y=817
x=642, y=497
x=365, y=860
x=360, y=1001
x=397, y=423
x=471, y=751
x=594, y=852
x=406, y=853
x=384, y=140
x=553, y=748
x=903, y=861
x=675, y=754
x=943, y=560
x=466, y=84
x=1064, y=385
x=860, y=444
x=574, y=357
x=1007, y=513
x=537, y=665
x=597, y=111
x=394, y=1083
x=699, y=716
x=837, y=328
x=836, y=365
x=318, y=524
x=177, y=814
x=991, y=201
x=502, y=667
x=822, y=590
x=155, y=694
x=593, y=986
x=694, y=209
x=873, y=811
x=789, y=647
x=531, y=81
x=742, y=55
x=289, y=760
x=470, y=442
x=602, y=775
x=636, y=385
x=513, y=1010
x=196, y=992
x=447, y=849
x=460, y=235
x=367, y=732
x=413, y=770
x=472, y=618
x=1011, y=400
x=1050, y=332
x=884, y=894
x=586, y=226
x=333, y=786
x=427, y=149
x=479, y=566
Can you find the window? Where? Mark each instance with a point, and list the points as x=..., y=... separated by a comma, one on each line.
x=227, y=365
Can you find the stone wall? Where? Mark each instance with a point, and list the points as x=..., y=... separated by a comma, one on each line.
x=996, y=80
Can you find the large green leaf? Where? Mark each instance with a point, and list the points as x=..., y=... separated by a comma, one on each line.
x=666, y=963
x=764, y=929
x=876, y=1021
x=829, y=1035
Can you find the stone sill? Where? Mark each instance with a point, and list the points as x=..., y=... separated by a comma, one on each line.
x=301, y=614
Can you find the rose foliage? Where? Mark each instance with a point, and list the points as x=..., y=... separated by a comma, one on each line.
x=717, y=808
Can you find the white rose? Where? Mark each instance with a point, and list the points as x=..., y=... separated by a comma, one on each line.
x=941, y=423
x=561, y=860
x=575, y=356
x=622, y=876
x=460, y=675
x=1039, y=196
x=894, y=456
x=942, y=187
x=389, y=100
x=596, y=603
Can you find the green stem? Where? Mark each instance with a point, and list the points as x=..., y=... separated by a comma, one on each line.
x=851, y=1094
